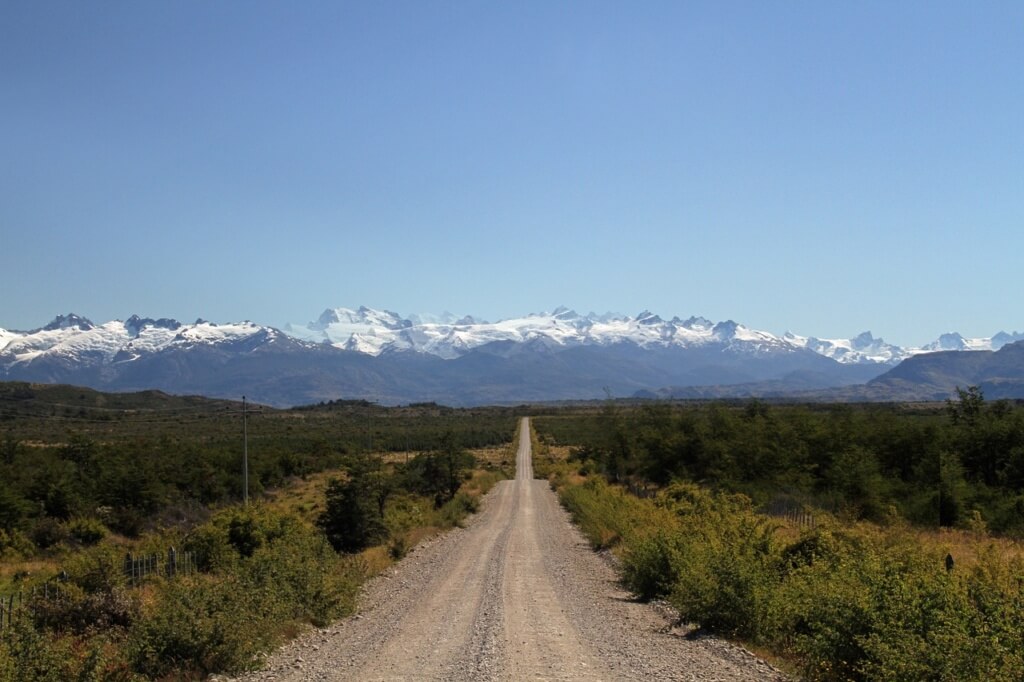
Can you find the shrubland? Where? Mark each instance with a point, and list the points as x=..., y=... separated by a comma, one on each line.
x=874, y=589
x=338, y=491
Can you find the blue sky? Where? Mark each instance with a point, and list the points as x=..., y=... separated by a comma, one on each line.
x=824, y=168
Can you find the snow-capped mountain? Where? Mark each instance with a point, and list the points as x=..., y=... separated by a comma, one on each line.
x=381, y=355
x=374, y=332
x=74, y=338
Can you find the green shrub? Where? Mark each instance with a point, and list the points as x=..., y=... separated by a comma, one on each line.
x=650, y=566
x=272, y=572
x=48, y=532
x=351, y=519
x=200, y=626
x=236, y=533
x=454, y=511
x=606, y=514
x=87, y=531
x=78, y=612
x=14, y=545
x=398, y=547
x=822, y=616
x=28, y=655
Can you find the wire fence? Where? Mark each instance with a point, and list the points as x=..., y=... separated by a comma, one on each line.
x=13, y=605
x=794, y=513
x=136, y=570
x=169, y=565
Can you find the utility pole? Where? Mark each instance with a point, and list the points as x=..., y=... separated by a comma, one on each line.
x=245, y=412
x=245, y=454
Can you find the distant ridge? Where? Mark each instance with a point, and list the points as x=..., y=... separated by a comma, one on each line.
x=379, y=355
x=371, y=331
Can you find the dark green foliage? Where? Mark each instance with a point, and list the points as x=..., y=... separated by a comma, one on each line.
x=139, y=456
x=29, y=655
x=847, y=603
x=13, y=508
x=650, y=568
x=86, y=531
x=843, y=603
x=440, y=473
x=351, y=520
x=270, y=570
x=930, y=465
x=75, y=463
x=455, y=510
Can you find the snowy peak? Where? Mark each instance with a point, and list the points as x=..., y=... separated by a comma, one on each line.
x=135, y=325
x=697, y=323
x=862, y=349
x=955, y=341
x=563, y=313
x=368, y=331
x=69, y=321
x=363, y=330
x=374, y=332
x=371, y=331
x=863, y=340
x=76, y=339
x=648, y=318
x=950, y=341
x=1002, y=338
x=725, y=331
x=366, y=317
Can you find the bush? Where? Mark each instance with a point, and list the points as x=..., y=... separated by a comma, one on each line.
x=398, y=547
x=273, y=572
x=48, y=532
x=650, y=566
x=351, y=520
x=454, y=511
x=78, y=612
x=199, y=626
x=86, y=531
x=14, y=545
x=28, y=655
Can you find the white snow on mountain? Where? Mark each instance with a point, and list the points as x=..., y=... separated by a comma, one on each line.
x=77, y=338
x=954, y=341
x=373, y=332
x=865, y=348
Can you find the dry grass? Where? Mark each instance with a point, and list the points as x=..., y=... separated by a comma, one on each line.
x=303, y=497
x=967, y=547
x=33, y=567
x=377, y=559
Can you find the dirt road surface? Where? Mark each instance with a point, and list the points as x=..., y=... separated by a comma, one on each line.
x=516, y=595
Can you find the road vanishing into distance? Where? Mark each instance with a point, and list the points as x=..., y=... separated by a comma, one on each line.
x=515, y=595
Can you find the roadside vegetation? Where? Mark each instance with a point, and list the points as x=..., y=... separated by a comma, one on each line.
x=909, y=569
x=337, y=492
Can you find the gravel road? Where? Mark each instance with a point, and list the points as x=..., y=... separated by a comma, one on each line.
x=515, y=595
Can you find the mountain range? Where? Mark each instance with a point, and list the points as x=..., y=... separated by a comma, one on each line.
x=374, y=332
x=380, y=355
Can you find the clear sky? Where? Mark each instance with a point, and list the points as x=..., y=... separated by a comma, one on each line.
x=821, y=167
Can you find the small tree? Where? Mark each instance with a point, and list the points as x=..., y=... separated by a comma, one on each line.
x=439, y=473
x=352, y=518
x=968, y=408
